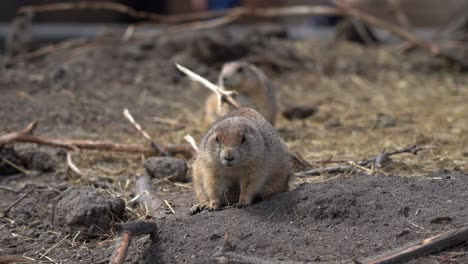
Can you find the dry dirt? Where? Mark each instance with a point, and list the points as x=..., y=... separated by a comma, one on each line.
x=368, y=100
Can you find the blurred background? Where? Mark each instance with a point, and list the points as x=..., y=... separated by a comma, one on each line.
x=425, y=13
x=55, y=26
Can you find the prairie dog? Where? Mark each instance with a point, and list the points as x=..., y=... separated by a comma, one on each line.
x=240, y=158
x=253, y=88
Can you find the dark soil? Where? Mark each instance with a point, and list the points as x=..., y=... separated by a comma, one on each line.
x=330, y=222
x=359, y=100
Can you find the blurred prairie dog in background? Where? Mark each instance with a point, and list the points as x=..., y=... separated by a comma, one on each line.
x=253, y=90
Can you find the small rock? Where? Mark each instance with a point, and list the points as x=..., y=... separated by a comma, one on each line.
x=299, y=112
x=35, y=159
x=8, y=153
x=465, y=153
x=166, y=167
x=87, y=210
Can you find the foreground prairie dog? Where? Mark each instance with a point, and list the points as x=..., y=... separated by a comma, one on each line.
x=253, y=88
x=240, y=158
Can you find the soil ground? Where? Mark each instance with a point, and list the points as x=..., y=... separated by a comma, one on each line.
x=368, y=99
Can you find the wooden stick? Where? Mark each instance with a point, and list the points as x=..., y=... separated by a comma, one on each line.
x=360, y=165
x=433, y=49
x=145, y=197
x=122, y=245
x=74, y=144
x=424, y=247
x=128, y=231
x=12, y=136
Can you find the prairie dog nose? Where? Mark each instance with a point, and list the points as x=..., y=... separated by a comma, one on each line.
x=228, y=158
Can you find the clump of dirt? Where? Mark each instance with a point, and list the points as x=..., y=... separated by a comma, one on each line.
x=86, y=210
x=30, y=158
x=328, y=222
x=165, y=167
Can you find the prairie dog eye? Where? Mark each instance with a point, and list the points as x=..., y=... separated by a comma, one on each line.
x=217, y=139
x=240, y=70
x=243, y=139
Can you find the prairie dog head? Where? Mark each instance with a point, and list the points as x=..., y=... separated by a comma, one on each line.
x=240, y=76
x=234, y=142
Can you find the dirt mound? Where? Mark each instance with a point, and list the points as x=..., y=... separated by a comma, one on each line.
x=87, y=210
x=330, y=222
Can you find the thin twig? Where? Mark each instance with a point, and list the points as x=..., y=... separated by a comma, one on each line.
x=222, y=94
x=5, y=212
x=191, y=141
x=170, y=207
x=137, y=126
x=362, y=164
x=54, y=246
x=12, y=136
x=72, y=166
x=17, y=167
x=170, y=122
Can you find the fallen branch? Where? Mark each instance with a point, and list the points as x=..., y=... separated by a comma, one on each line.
x=433, y=49
x=384, y=156
x=127, y=232
x=12, y=136
x=363, y=165
x=424, y=247
x=74, y=144
x=144, y=196
x=172, y=19
x=299, y=161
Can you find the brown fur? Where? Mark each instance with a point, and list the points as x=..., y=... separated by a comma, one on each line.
x=253, y=87
x=240, y=157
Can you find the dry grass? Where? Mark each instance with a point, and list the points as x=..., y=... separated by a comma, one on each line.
x=369, y=100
